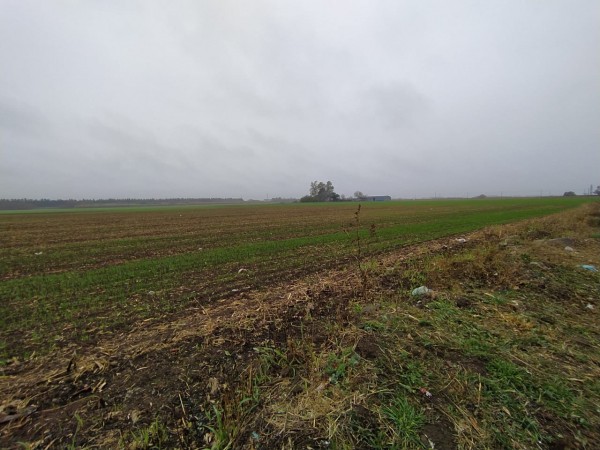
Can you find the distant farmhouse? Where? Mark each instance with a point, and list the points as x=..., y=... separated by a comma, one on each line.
x=376, y=198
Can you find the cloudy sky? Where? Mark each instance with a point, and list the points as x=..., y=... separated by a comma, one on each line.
x=258, y=98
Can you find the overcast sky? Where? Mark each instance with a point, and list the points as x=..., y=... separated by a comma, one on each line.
x=258, y=98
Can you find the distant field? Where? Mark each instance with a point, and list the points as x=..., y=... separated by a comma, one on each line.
x=77, y=273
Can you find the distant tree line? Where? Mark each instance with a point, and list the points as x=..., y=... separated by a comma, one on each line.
x=25, y=203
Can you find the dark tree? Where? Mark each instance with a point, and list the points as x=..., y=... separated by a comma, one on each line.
x=321, y=192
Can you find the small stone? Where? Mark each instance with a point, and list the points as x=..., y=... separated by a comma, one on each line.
x=421, y=290
x=569, y=249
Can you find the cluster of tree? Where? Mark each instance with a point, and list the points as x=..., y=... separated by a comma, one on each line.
x=590, y=192
x=24, y=203
x=324, y=192
x=321, y=192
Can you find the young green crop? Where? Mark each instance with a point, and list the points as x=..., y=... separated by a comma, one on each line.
x=62, y=270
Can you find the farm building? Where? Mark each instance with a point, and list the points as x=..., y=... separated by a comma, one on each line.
x=377, y=198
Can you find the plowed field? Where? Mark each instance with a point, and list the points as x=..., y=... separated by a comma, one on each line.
x=293, y=326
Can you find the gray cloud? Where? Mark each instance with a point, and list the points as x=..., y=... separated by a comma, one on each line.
x=390, y=106
x=228, y=98
x=21, y=121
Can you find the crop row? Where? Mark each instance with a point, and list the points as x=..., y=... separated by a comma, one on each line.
x=126, y=277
